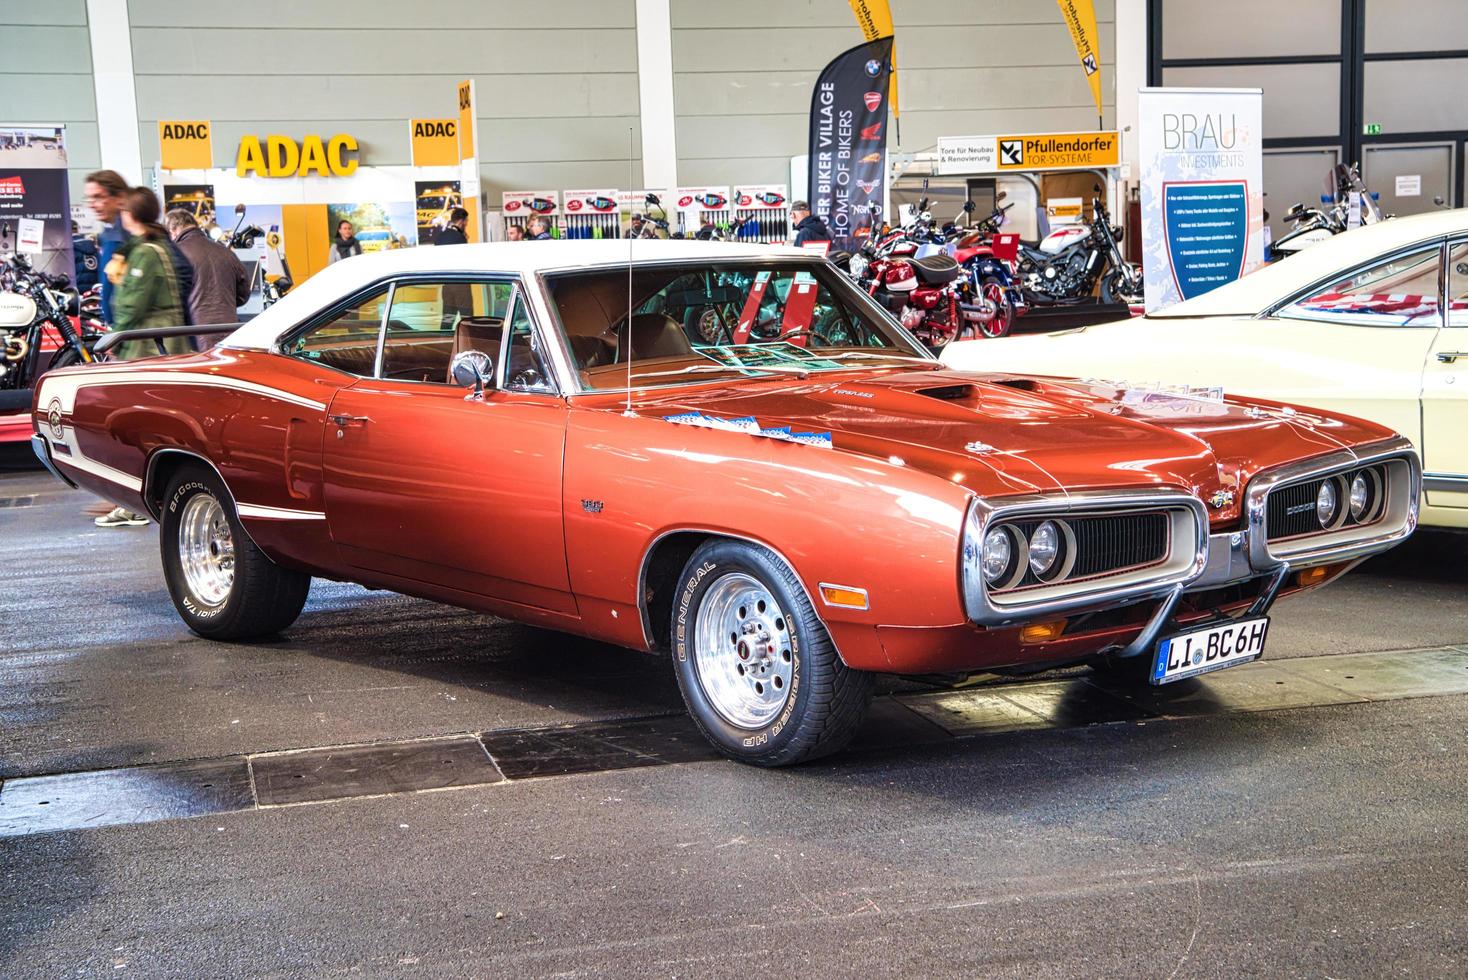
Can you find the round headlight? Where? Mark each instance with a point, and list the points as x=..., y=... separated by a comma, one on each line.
x=1360, y=496
x=998, y=552
x=1044, y=548
x=1326, y=503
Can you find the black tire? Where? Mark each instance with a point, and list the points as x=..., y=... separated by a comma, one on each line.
x=825, y=700
x=65, y=357
x=1114, y=288
x=262, y=598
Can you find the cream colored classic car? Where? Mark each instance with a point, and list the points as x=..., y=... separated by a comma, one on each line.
x=1373, y=322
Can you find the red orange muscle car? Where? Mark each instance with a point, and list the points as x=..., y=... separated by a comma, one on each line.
x=722, y=453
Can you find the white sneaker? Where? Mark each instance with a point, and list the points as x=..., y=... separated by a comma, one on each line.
x=119, y=517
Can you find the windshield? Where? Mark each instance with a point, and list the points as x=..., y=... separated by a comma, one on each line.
x=697, y=321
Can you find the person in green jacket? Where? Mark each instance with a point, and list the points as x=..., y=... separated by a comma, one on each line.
x=147, y=292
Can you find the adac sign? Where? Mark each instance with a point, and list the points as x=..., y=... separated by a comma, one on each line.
x=281, y=156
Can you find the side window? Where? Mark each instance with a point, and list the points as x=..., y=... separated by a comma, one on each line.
x=527, y=369
x=1400, y=292
x=348, y=341
x=1458, y=284
x=429, y=322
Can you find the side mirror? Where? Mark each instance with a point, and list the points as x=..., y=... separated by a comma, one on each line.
x=968, y=206
x=239, y=209
x=1001, y=195
x=472, y=367
x=652, y=199
x=1096, y=188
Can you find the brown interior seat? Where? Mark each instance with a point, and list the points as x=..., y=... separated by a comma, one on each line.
x=658, y=335
x=482, y=333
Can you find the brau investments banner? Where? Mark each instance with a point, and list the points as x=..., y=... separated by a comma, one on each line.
x=848, y=141
x=1202, y=166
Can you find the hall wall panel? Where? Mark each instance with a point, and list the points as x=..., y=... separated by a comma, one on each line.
x=1416, y=25
x=1251, y=28
x=743, y=74
x=1299, y=100
x=1417, y=96
x=46, y=76
x=556, y=82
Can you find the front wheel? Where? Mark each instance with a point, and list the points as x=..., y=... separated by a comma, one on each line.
x=223, y=587
x=757, y=669
x=1122, y=286
x=1003, y=319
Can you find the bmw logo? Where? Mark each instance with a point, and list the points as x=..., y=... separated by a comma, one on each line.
x=874, y=67
x=53, y=419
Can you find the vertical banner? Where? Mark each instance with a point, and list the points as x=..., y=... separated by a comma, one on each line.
x=35, y=198
x=1202, y=201
x=469, y=156
x=848, y=141
x=874, y=17
x=1080, y=18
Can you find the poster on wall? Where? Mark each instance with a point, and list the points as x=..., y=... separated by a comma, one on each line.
x=35, y=197
x=196, y=199
x=259, y=240
x=376, y=227
x=848, y=141
x=435, y=201
x=1201, y=153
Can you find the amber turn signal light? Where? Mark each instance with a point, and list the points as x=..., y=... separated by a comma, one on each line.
x=847, y=596
x=1312, y=576
x=1041, y=632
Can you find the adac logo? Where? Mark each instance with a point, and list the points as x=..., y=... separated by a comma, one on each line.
x=572, y=204
x=871, y=158
x=872, y=132
x=868, y=186
x=874, y=67
x=12, y=187
x=873, y=100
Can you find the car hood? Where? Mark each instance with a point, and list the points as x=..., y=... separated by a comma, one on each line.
x=1010, y=433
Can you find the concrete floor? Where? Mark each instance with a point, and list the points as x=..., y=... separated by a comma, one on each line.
x=1306, y=841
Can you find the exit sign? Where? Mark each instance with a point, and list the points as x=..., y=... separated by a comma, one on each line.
x=1371, y=129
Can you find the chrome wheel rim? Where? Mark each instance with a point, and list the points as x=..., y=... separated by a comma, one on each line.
x=206, y=549
x=743, y=651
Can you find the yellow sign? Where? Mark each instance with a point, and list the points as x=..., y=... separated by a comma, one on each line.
x=435, y=142
x=184, y=144
x=467, y=149
x=875, y=19
x=1080, y=17
x=280, y=156
x=1056, y=151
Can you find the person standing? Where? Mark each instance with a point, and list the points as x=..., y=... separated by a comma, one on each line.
x=453, y=232
x=539, y=229
x=808, y=227
x=345, y=244
x=104, y=192
x=146, y=293
x=221, y=285
x=514, y=233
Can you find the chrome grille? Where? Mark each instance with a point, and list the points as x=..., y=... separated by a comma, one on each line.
x=1292, y=510
x=1108, y=543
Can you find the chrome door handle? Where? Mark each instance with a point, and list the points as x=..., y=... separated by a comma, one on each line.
x=345, y=420
x=1449, y=356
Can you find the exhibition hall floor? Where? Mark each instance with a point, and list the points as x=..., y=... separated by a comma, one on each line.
x=399, y=788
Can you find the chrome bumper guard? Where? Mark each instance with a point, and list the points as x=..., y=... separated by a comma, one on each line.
x=43, y=452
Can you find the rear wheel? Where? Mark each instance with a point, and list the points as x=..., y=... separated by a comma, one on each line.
x=1003, y=319
x=757, y=669
x=223, y=587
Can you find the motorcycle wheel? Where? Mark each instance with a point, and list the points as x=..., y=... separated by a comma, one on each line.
x=65, y=357
x=1118, y=287
x=1004, y=310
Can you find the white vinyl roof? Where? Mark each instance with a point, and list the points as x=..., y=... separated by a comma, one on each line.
x=341, y=279
x=1280, y=280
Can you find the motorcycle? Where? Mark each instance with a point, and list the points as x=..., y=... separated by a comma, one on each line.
x=33, y=309
x=990, y=270
x=1066, y=266
x=1313, y=225
x=244, y=236
x=912, y=272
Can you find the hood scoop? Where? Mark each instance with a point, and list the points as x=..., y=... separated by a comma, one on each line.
x=950, y=393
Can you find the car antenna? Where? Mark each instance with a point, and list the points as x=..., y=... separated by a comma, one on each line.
x=631, y=179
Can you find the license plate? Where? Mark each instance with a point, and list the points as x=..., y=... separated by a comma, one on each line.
x=1212, y=648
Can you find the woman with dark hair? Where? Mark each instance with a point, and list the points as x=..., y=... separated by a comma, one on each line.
x=147, y=291
x=345, y=244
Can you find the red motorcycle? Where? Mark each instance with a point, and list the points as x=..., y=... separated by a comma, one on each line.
x=910, y=272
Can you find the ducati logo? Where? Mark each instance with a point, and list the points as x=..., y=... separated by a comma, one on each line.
x=873, y=100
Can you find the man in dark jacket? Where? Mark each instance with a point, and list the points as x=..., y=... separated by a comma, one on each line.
x=808, y=228
x=105, y=190
x=220, y=283
x=84, y=249
x=453, y=232
x=539, y=227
